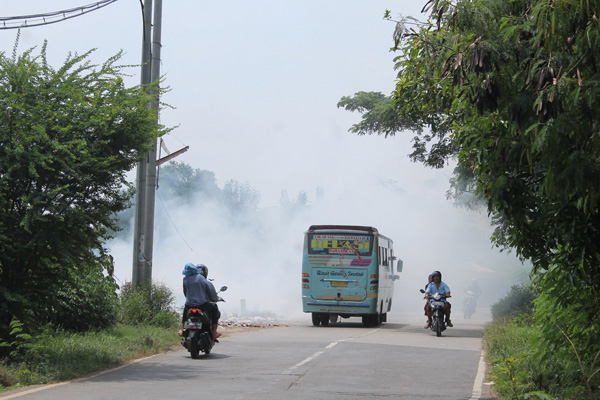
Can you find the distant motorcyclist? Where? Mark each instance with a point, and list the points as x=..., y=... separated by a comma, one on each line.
x=474, y=288
x=199, y=292
x=472, y=293
x=437, y=286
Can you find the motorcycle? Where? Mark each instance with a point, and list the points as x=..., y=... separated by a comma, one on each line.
x=469, y=304
x=197, y=335
x=437, y=313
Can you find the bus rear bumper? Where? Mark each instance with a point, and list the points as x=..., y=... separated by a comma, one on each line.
x=332, y=307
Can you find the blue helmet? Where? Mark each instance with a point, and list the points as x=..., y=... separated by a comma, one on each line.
x=189, y=269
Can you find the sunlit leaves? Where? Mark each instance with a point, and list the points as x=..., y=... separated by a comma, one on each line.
x=512, y=89
x=67, y=138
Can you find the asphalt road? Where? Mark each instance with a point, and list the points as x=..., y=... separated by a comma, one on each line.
x=342, y=361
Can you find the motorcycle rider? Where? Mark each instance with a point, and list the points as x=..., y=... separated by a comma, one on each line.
x=429, y=280
x=472, y=293
x=474, y=288
x=437, y=286
x=200, y=293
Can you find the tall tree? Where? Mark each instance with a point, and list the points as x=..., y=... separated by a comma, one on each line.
x=510, y=88
x=67, y=138
x=184, y=182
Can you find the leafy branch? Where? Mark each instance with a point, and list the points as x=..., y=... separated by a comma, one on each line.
x=584, y=376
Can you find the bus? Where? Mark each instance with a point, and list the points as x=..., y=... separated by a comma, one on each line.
x=348, y=271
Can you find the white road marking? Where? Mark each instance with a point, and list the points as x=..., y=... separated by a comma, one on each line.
x=478, y=384
x=329, y=346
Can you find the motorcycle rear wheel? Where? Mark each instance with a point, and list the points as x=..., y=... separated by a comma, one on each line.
x=194, y=346
x=206, y=345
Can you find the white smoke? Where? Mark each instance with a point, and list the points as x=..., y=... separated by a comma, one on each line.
x=258, y=255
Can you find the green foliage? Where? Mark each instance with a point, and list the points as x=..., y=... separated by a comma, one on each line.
x=511, y=380
x=68, y=136
x=88, y=301
x=579, y=317
x=525, y=363
x=571, y=331
x=511, y=89
x=379, y=115
x=148, y=304
x=519, y=301
x=63, y=355
x=21, y=341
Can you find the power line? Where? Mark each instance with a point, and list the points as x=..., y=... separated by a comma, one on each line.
x=173, y=223
x=28, y=21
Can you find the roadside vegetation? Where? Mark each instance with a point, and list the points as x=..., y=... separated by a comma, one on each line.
x=508, y=90
x=529, y=361
x=68, y=138
x=146, y=324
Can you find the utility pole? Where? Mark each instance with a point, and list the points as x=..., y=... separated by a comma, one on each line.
x=146, y=170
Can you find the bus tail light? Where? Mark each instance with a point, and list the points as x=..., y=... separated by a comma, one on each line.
x=374, y=282
x=305, y=281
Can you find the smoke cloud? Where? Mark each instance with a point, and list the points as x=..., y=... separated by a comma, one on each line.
x=258, y=254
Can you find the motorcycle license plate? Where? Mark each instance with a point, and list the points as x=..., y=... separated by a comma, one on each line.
x=193, y=325
x=339, y=284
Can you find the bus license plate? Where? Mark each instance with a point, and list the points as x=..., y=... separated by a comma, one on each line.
x=339, y=284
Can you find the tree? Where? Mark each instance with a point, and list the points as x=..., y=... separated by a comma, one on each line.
x=510, y=88
x=184, y=182
x=240, y=198
x=67, y=138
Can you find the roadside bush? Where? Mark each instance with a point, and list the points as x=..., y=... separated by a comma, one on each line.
x=89, y=301
x=519, y=301
x=147, y=304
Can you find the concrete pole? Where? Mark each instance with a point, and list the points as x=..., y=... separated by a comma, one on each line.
x=151, y=165
x=139, y=245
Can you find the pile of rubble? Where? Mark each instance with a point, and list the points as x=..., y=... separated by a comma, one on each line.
x=259, y=322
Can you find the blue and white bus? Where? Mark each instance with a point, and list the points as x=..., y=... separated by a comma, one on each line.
x=348, y=271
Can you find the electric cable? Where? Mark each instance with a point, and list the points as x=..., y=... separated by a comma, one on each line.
x=174, y=226
x=28, y=21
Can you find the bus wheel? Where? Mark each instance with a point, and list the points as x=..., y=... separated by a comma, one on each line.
x=316, y=319
x=371, y=320
x=324, y=319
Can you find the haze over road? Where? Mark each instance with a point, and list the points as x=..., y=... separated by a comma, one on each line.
x=299, y=361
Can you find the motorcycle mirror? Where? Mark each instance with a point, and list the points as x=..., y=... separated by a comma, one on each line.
x=223, y=288
x=421, y=290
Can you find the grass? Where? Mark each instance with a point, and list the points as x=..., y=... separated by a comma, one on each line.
x=523, y=367
x=54, y=357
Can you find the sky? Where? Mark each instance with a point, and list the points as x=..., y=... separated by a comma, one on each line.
x=254, y=87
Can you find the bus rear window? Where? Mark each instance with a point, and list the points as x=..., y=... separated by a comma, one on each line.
x=340, y=244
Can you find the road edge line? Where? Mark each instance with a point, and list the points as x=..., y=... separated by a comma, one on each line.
x=478, y=384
